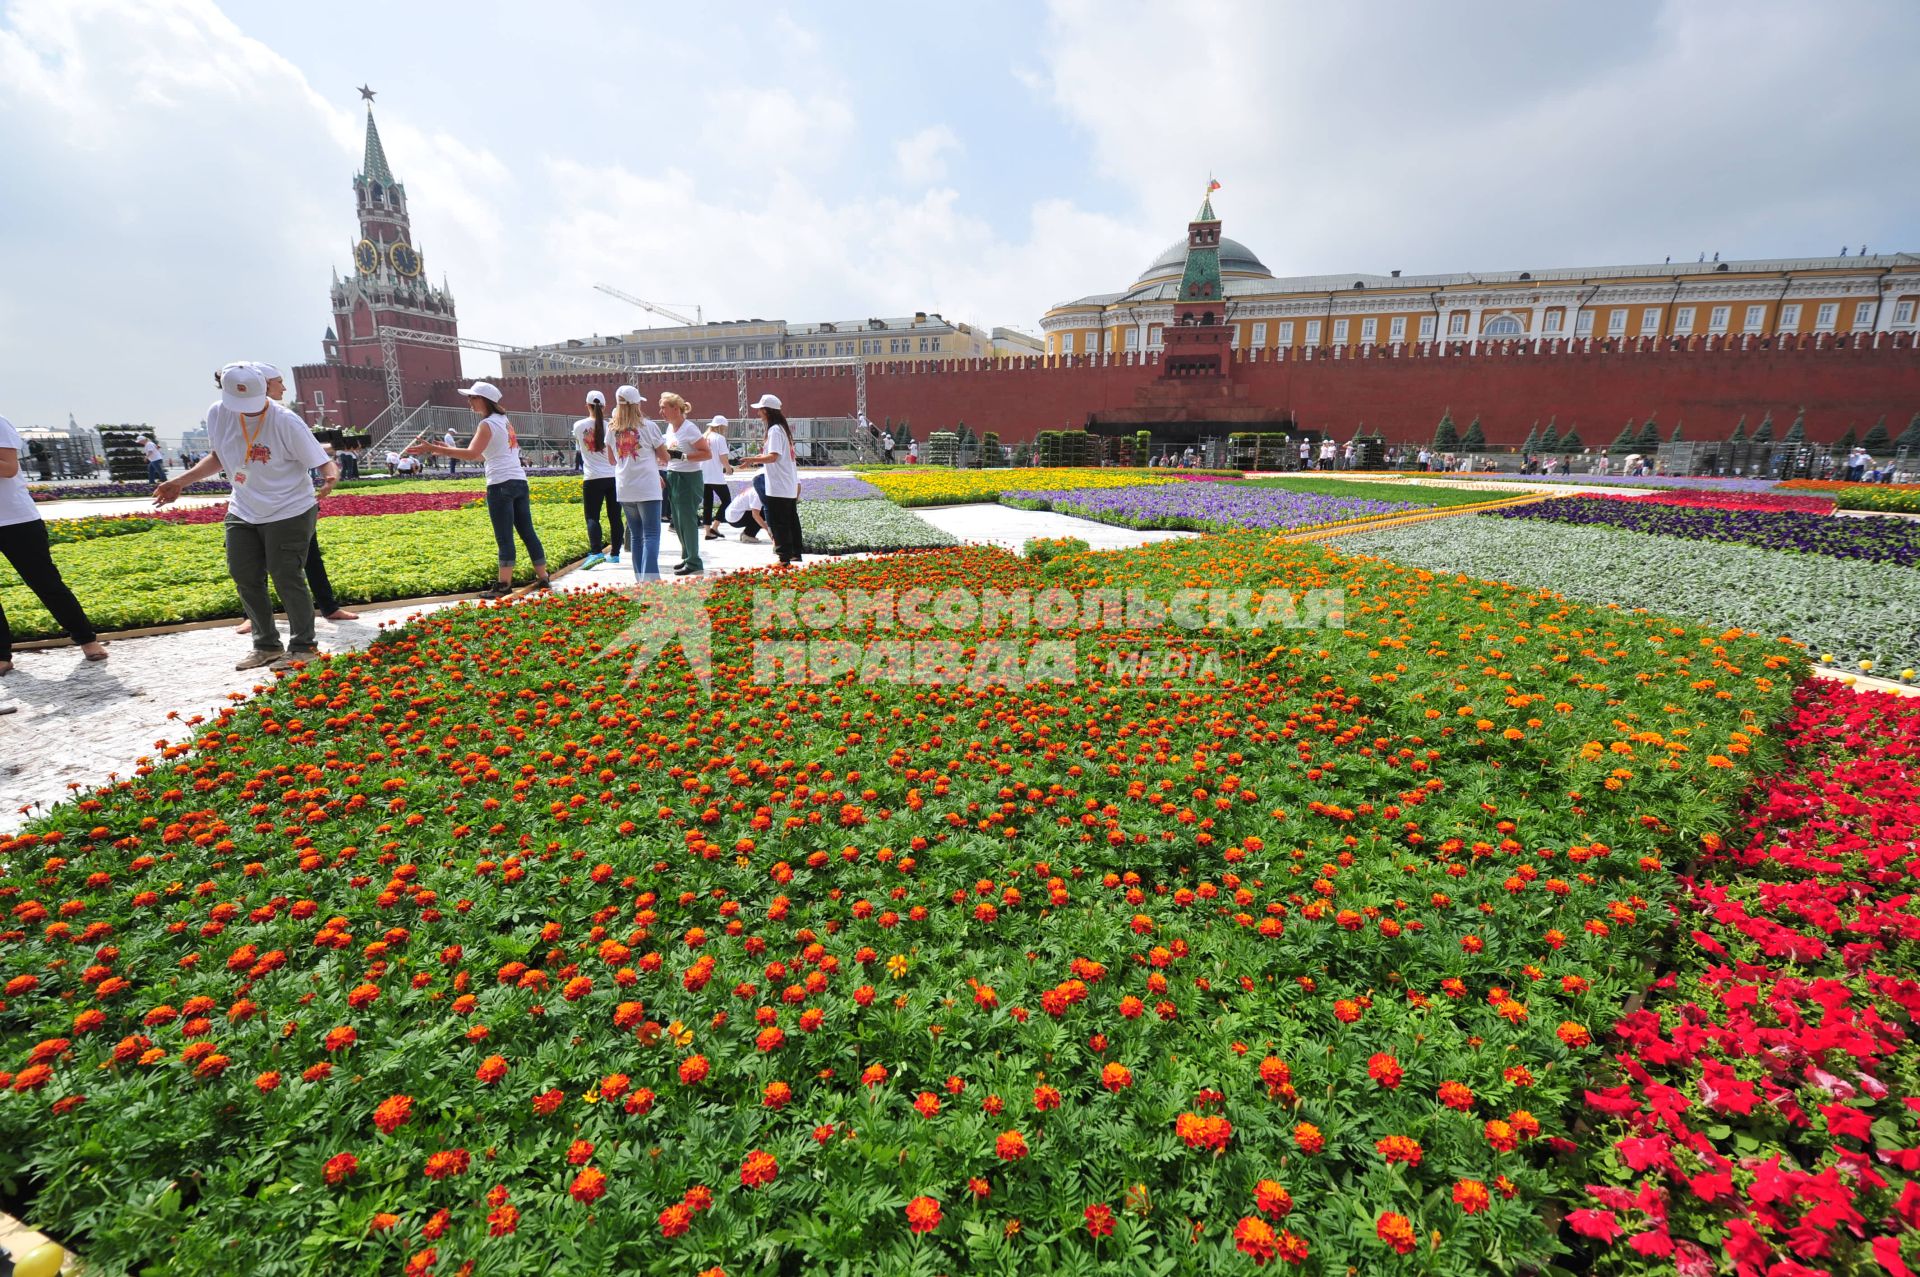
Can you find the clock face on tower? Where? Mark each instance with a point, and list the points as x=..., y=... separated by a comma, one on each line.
x=404, y=259
x=366, y=257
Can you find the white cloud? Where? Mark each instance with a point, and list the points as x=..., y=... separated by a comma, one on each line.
x=922, y=157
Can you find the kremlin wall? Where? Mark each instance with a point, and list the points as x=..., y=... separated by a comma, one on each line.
x=1183, y=353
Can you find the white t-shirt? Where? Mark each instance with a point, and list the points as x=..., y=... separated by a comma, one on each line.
x=783, y=477
x=688, y=435
x=747, y=500
x=593, y=464
x=714, y=468
x=268, y=456
x=502, y=453
x=636, y=471
x=150, y=450
x=16, y=506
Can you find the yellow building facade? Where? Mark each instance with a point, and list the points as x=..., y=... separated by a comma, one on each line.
x=1835, y=295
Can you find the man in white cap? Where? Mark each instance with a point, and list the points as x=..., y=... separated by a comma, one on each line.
x=269, y=454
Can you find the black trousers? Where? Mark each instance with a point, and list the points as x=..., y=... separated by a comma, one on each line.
x=323, y=600
x=783, y=524
x=714, y=502
x=595, y=493
x=26, y=547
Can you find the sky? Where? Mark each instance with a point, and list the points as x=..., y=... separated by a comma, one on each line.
x=177, y=173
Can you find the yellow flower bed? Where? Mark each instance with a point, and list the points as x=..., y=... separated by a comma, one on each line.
x=915, y=485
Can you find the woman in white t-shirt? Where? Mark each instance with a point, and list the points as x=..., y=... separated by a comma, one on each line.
x=783, y=481
x=635, y=451
x=684, y=480
x=596, y=480
x=509, y=506
x=713, y=475
x=24, y=544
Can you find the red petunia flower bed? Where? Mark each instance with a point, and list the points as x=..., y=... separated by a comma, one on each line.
x=1756, y=501
x=345, y=505
x=1766, y=1119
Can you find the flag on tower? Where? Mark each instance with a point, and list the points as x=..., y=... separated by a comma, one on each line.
x=1212, y=186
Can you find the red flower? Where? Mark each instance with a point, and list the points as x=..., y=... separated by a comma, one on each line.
x=770, y=1039
x=589, y=1186
x=1598, y=1224
x=776, y=1095
x=1100, y=1219
x=1255, y=1237
x=502, y=1220
x=1398, y=1148
x=579, y=1153
x=491, y=1069
x=548, y=1102
x=1271, y=1198
x=1212, y=1132
x=1045, y=1098
x=927, y=1104
x=698, y=1198
x=1471, y=1196
x=1396, y=1231
x=759, y=1169
x=393, y=1113
x=693, y=1070
x=340, y=1039
x=1456, y=1095
x=923, y=1214
x=340, y=1166
x=675, y=1220
x=1010, y=1146
x=1385, y=1070
x=1116, y=1077
x=447, y=1163
x=1501, y=1136
x=1574, y=1034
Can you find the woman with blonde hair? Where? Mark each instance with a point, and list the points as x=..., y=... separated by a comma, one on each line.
x=636, y=452
x=690, y=449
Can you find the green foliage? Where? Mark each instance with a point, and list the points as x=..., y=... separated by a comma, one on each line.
x=1475, y=440
x=1876, y=441
x=1446, y=437
x=1764, y=432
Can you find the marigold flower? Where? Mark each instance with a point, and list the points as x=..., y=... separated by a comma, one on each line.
x=698, y=1198
x=393, y=1113
x=979, y=1188
x=340, y=1039
x=1456, y=1095
x=923, y=1214
x=1046, y=1098
x=340, y=1166
x=1307, y=1138
x=491, y=1069
x=1346, y=1010
x=1396, y=1231
x=1398, y=1148
x=1211, y=1132
x=759, y=1169
x=1471, y=1196
x=548, y=1102
x=589, y=1186
x=580, y=1152
x=776, y=1095
x=1255, y=1237
x=1116, y=1077
x=770, y=1039
x=873, y=1075
x=1100, y=1219
x=1574, y=1034
x=1385, y=1070
x=1270, y=1197
x=382, y=1222
x=446, y=1163
x=693, y=1070
x=675, y=1220
x=268, y=1081
x=502, y=1220
x=1010, y=1146
x=1500, y=1135
x=927, y=1104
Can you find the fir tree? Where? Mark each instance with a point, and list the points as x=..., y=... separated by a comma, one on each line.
x=1446, y=437
x=1649, y=435
x=1473, y=440
x=1909, y=440
x=1847, y=441
x=1675, y=438
x=1763, y=433
x=1550, y=439
x=1623, y=442
x=1876, y=441
x=1739, y=434
x=1532, y=443
x=1797, y=432
x=1570, y=442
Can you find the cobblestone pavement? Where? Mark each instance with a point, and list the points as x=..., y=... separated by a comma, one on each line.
x=78, y=723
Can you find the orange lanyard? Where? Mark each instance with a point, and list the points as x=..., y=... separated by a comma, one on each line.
x=251, y=435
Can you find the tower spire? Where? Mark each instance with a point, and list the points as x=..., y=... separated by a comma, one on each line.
x=375, y=163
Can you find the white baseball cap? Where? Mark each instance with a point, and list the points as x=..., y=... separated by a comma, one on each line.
x=594, y=396
x=767, y=401
x=629, y=394
x=482, y=390
x=242, y=388
x=718, y=423
x=269, y=372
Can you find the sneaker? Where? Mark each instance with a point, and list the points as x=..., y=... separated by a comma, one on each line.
x=542, y=583
x=259, y=657
x=593, y=560
x=614, y=558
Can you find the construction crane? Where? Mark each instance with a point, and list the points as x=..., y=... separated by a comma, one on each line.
x=655, y=307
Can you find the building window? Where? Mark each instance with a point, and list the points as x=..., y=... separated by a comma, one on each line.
x=1397, y=328
x=1583, y=326
x=1066, y=343
x=1683, y=321
x=1828, y=313
x=1551, y=321
x=1369, y=330
x=1503, y=326
x=1863, y=315
x=1259, y=335
x=1717, y=318
x=1096, y=342
x=1154, y=338
x=936, y=345
x=1233, y=336
x=1755, y=320
x=1457, y=323
x=1790, y=318
x=1617, y=324
x=1426, y=327
x=1286, y=333
x=1313, y=332
x=1133, y=339
x=1903, y=313
x=1339, y=332
x=1650, y=321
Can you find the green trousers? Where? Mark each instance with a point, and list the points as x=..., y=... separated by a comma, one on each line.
x=683, y=495
x=277, y=550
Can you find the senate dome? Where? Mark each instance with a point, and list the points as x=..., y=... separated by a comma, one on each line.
x=1235, y=259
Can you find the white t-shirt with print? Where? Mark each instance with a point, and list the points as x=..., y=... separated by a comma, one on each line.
x=150, y=450
x=714, y=468
x=271, y=479
x=16, y=505
x=783, y=476
x=593, y=461
x=636, y=470
x=687, y=434
x=502, y=452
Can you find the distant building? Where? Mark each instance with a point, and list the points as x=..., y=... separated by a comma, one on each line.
x=908, y=339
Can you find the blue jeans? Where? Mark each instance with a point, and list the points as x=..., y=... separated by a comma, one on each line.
x=156, y=471
x=643, y=538
x=510, y=510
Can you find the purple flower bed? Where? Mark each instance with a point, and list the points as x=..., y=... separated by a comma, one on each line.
x=97, y=491
x=1203, y=507
x=836, y=489
x=1876, y=540
x=1691, y=482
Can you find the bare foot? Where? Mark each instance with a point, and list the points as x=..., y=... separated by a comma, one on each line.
x=94, y=651
x=245, y=627
x=6, y=667
x=341, y=614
